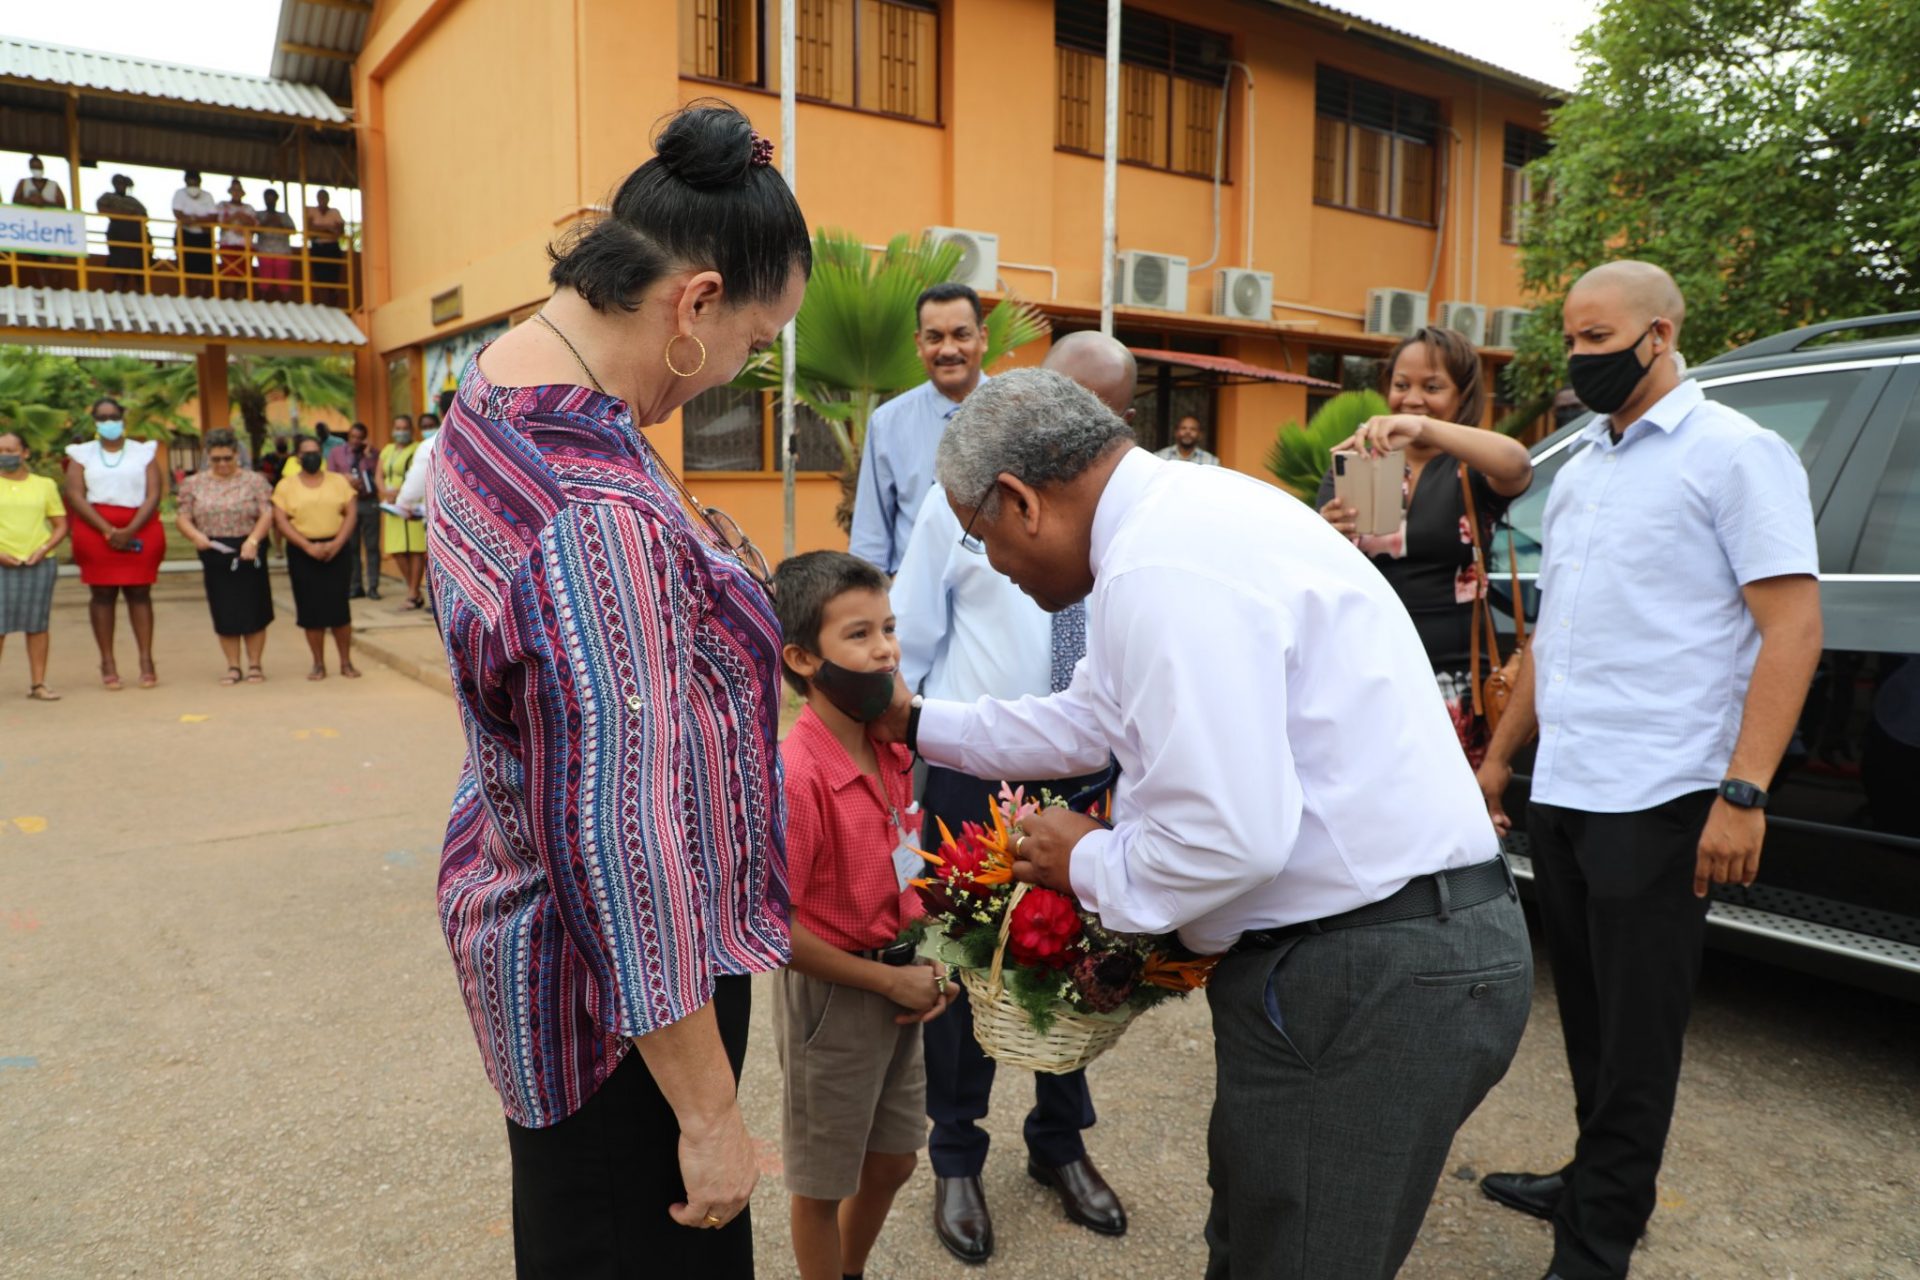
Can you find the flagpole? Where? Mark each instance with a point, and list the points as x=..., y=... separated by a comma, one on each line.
x=788, y=340
x=1110, y=241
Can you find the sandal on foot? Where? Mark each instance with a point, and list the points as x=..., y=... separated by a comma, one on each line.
x=415, y=602
x=40, y=693
x=350, y=671
x=111, y=679
x=232, y=676
x=319, y=672
x=148, y=679
x=255, y=675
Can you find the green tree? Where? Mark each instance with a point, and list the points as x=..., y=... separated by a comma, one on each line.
x=151, y=392
x=31, y=404
x=854, y=336
x=322, y=382
x=1763, y=151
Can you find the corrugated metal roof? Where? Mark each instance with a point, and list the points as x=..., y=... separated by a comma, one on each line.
x=209, y=319
x=63, y=66
x=1349, y=17
x=339, y=26
x=160, y=355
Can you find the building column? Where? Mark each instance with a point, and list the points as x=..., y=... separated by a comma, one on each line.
x=215, y=411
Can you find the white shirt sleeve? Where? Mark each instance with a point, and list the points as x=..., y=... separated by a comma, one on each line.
x=1214, y=804
x=871, y=537
x=922, y=597
x=413, y=489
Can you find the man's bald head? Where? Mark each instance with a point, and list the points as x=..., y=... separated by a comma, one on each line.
x=1100, y=364
x=1640, y=291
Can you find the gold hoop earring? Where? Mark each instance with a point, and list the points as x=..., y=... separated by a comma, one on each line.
x=696, y=342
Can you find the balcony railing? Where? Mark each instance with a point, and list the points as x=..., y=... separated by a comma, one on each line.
x=159, y=256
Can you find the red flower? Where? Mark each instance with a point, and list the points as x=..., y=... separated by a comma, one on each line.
x=1045, y=925
x=964, y=858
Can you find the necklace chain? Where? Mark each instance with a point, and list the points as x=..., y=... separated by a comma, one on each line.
x=579, y=359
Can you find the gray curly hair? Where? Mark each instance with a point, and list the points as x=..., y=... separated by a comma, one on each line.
x=1033, y=424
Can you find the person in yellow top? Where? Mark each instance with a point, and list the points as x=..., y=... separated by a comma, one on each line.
x=403, y=539
x=315, y=511
x=33, y=521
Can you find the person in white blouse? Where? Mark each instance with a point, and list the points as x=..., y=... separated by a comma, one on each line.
x=966, y=631
x=1290, y=794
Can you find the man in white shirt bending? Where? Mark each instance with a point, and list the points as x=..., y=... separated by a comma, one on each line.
x=1290, y=793
x=966, y=632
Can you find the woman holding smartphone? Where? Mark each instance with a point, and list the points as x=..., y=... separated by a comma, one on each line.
x=1436, y=396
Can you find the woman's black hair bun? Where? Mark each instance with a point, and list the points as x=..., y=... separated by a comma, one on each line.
x=707, y=144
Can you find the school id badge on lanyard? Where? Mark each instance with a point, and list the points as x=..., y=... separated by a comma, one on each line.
x=907, y=862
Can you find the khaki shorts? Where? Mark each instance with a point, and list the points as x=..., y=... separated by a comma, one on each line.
x=856, y=1081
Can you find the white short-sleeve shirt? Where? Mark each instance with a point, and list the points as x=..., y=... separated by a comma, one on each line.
x=119, y=480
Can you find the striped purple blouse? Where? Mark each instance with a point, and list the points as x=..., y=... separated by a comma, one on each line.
x=615, y=841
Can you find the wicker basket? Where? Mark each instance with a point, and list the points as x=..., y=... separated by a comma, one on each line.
x=1007, y=1036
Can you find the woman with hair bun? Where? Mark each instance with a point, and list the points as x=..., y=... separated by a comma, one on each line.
x=1436, y=396
x=614, y=867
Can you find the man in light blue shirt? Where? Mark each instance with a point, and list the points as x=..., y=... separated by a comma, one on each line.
x=896, y=464
x=967, y=632
x=1679, y=629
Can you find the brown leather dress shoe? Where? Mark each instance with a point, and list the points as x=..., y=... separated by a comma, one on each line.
x=961, y=1220
x=1084, y=1194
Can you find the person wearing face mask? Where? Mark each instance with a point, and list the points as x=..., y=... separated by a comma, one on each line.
x=1679, y=630
x=33, y=524
x=37, y=190
x=614, y=867
x=237, y=220
x=1435, y=395
x=402, y=536
x=353, y=459
x=325, y=226
x=896, y=464
x=226, y=511
x=114, y=489
x=194, y=213
x=315, y=510
x=126, y=233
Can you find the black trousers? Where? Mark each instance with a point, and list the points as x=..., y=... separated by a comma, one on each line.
x=959, y=1074
x=364, y=547
x=591, y=1193
x=1624, y=932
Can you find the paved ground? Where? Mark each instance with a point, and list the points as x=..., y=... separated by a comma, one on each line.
x=230, y=1043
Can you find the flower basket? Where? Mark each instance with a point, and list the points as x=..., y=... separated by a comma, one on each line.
x=1006, y=1033
x=1051, y=987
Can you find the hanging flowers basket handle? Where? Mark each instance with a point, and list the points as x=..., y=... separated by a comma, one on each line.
x=1006, y=928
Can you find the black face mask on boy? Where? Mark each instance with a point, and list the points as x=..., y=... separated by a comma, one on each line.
x=859, y=695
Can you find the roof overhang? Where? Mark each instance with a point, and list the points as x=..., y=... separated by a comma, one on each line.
x=76, y=317
x=1194, y=369
x=138, y=111
x=317, y=41
x=1408, y=42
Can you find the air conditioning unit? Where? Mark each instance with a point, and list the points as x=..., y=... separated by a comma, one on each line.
x=1397, y=313
x=1242, y=294
x=979, y=256
x=1468, y=319
x=1508, y=324
x=1153, y=280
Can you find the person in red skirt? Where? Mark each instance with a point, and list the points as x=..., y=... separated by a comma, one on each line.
x=113, y=490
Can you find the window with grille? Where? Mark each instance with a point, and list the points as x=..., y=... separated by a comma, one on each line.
x=1374, y=148
x=1518, y=188
x=737, y=429
x=721, y=40
x=1171, y=78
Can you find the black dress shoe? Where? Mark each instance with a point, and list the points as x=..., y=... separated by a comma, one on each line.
x=961, y=1220
x=1534, y=1193
x=1084, y=1194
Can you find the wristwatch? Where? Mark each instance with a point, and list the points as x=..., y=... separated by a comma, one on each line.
x=913, y=723
x=1742, y=795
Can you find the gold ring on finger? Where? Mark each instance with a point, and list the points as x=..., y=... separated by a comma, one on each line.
x=713, y=1221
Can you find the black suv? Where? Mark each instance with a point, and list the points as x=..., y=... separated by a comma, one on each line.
x=1839, y=886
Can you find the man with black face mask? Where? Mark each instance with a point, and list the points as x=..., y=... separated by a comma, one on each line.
x=1679, y=629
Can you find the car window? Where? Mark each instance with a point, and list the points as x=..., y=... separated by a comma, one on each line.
x=1802, y=407
x=1890, y=543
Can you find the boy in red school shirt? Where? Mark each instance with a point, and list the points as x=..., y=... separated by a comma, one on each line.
x=847, y=1014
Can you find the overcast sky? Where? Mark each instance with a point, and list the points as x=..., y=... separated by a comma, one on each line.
x=1534, y=37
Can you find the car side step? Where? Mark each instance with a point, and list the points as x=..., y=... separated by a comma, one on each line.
x=1807, y=927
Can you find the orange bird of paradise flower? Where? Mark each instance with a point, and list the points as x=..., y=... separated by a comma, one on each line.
x=1178, y=975
x=996, y=869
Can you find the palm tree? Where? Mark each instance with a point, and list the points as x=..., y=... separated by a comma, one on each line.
x=150, y=392
x=26, y=387
x=325, y=382
x=1301, y=455
x=854, y=336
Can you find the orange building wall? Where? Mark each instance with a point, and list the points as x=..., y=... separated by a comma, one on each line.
x=492, y=124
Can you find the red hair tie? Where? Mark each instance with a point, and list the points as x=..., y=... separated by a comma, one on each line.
x=762, y=150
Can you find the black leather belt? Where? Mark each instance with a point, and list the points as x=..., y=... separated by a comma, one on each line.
x=897, y=953
x=1439, y=894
